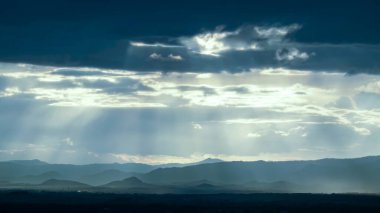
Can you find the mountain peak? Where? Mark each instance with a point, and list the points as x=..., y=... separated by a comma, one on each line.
x=132, y=180
x=211, y=160
x=126, y=183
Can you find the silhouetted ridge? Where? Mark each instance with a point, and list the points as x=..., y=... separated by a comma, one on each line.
x=205, y=185
x=132, y=180
x=34, y=162
x=360, y=175
x=62, y=183
x=326, y=175
x=106, y=176
x=127, y=183
x=39, y=178
x=210, y=160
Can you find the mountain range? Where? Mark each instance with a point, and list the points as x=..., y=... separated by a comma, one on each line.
x=359, y=175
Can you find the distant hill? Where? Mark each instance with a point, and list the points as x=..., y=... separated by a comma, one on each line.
x=11, y=170
x=326, y=175
x=209, y=160
x=34, y=162
x=195, y=183
x=205, y=161
x=105, y=177
x=359, y=175
x=35, y=179
x=36, y=171
x=132, y=182
x=55, y=182
x=62, y=185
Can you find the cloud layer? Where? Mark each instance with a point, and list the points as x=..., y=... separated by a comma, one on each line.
x=103, y=115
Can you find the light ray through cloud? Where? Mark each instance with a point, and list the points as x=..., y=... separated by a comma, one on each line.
x=108, y=115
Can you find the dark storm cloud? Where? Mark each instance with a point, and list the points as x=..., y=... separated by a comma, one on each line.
x=98, y=33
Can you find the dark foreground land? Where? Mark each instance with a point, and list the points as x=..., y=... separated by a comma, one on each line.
x=27, y=201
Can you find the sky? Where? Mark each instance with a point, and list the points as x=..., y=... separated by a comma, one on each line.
x=162, y=82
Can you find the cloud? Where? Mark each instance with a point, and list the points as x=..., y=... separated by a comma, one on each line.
x=291, y=54
x=209, y=43
x=276, y=32
x=253, y=135
x=85, y=97
x=238, y=89
x=101, y=86
x=106, y=88
x=230, y=109
x=206, y=90
x=3, y=83
x=345, y=102
x=197, y=126
x=298, y=130
x=196, y=157
x=362, y=131
x=283, y=72
x=372, y=87
x=342, y=58
x=337, y=47
x=320, y=115
x=175, y=57
x=260, y=121
x=78, y=72
x=78, y=87
x=221, y=87
x=245, y=38
x=366, y=100
x=156, y=56
x=170, y=57
x=142, y=44
x=252, y=47
x=68, y=141
x=10, y=91
x=204, y=75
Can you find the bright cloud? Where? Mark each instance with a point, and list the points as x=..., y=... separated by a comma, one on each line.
x=68, y=141
x=291, y=54
x=143, y=44
x=372, y=87
x=253, y=135
x=245, y=38
x=276, y=32
x=159, y=117
x=170, y=57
